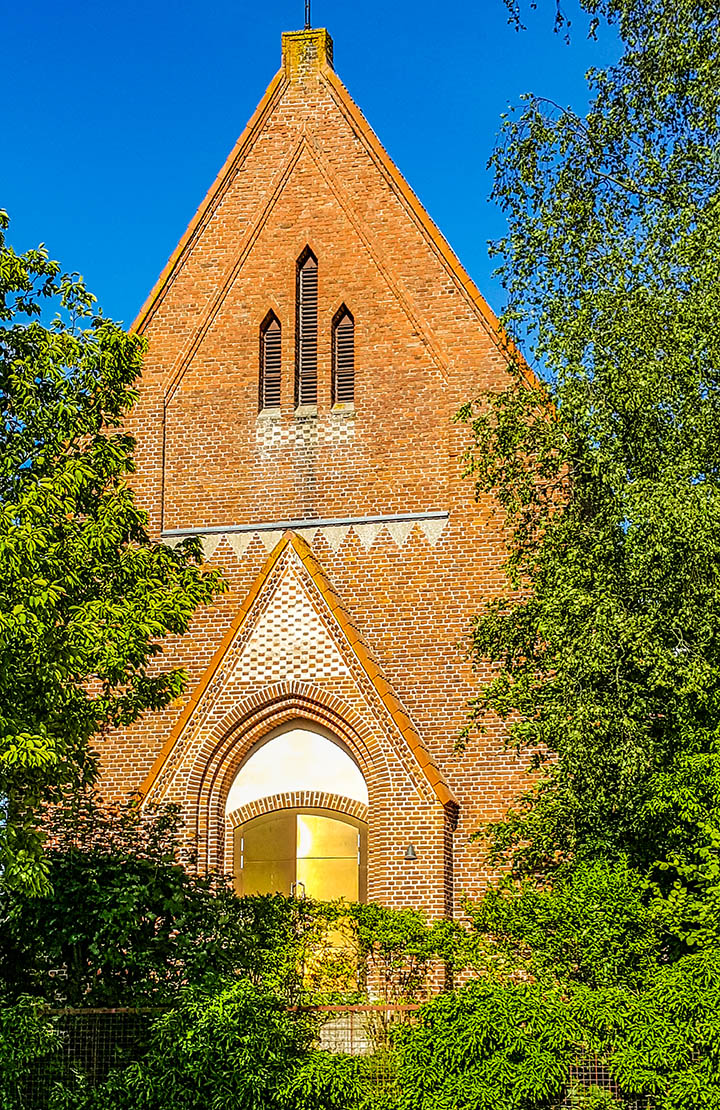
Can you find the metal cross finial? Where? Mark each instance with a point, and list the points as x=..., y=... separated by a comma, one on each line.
x=307, y=15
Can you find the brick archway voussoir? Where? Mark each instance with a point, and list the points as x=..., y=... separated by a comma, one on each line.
x=230, y=741
x=297, y=799
x=267, y=699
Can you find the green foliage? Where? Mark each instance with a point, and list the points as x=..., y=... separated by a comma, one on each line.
x=488, y=1046
x=493, y=1045
x=85, y=595
x=26, y=1036
x=335, y=1081
x=597, y=924
x=238, y=1047
x=607, y=650
x=127, y=924
x=399, y=950
x=670, y=1042
x=233, y=1038
x=592, y=1097
x=233, y=1048
x=606, y=647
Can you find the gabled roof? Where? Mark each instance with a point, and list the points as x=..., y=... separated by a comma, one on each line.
x=318, y=44
x=305, y=146
x=357, y=646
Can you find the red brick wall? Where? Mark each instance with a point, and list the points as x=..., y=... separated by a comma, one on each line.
x=309, y=171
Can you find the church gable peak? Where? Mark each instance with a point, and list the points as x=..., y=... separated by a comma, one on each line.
x=307, y=99
x=305, y=53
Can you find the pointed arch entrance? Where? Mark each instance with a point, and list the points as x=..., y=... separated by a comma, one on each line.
x=298, y=812
x=248, y=729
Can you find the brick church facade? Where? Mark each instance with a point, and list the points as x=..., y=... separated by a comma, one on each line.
x=308, y=344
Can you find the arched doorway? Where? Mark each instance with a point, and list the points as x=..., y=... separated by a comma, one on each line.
x=313, y=852
x=297, y=835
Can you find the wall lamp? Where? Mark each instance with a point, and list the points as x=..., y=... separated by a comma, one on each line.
x=410, y=852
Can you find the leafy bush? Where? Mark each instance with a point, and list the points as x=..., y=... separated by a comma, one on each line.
x=127, y=924
x=669, y=1045
x=234, y=1048
x=326, y=1081
x=596, y=923
x=506, y=1046
x=239, y=1048
x=26, y=1035
x=498, y=1047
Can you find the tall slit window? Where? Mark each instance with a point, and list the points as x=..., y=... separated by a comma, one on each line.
x=270, y=362
x=343, y=357
x=307, y=329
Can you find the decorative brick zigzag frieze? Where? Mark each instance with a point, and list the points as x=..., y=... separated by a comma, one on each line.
x=335, y=534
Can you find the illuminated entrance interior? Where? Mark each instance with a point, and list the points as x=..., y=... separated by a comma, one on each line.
x=304, y=852
x=297, y=757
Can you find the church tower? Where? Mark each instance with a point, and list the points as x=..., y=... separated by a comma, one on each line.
x=309, y=341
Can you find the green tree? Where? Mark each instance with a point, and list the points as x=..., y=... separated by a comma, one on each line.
x=86, y=596
x=607, y=646
x=125, y=924
x=595, y=924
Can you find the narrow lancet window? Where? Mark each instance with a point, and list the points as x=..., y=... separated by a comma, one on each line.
x=270, y=362
x=307, y=329
x=343, y=357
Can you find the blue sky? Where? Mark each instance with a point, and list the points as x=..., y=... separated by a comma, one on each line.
x=117, y=117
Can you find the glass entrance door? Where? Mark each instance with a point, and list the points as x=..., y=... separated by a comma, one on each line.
x=305, y=852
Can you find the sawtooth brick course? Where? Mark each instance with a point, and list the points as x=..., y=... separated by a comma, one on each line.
x=364, y=638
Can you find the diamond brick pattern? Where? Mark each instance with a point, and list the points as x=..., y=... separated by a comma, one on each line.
x=289, y=640
x=361, y=631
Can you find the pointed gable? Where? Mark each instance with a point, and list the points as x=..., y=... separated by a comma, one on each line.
x=292, y=628
x=308, y=63
x=308, y=173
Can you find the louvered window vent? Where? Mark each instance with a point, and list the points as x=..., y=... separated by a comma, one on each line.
x=307, y=329
x=270, y=362
x=343, y=357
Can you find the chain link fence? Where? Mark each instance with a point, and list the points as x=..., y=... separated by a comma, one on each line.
x=92, y=1042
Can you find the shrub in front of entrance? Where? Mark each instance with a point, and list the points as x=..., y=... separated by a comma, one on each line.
x=238, y=1048
x=233, y=1048
x=499, y=1047
x=335, y=1081
x=126, y=924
